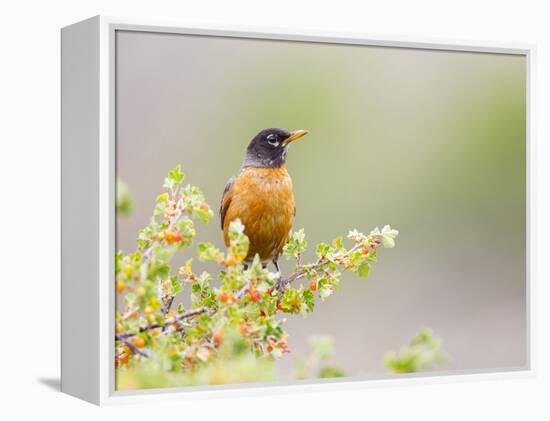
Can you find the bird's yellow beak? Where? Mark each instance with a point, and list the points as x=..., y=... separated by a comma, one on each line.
x=294, y=136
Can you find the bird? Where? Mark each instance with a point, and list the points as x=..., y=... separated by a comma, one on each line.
x=261, y=196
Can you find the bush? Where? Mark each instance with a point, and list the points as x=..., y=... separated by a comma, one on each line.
x=232, y=331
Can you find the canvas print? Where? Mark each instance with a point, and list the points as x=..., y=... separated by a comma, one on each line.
x=308, y=212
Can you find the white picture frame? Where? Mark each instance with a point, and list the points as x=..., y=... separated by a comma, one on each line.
x=88, y=210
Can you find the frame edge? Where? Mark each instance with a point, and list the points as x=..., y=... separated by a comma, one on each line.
x=80, y=102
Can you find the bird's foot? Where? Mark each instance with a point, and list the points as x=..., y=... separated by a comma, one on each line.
x=281, y=285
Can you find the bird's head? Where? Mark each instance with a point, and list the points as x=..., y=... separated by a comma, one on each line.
x=270, y=147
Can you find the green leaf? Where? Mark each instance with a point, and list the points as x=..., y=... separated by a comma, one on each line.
x=308, y=299
x=357, y=257
x=322, y=249
x=173, y=179
x=387, y=235
x=236, y=227
x=296, y=245
x=203, y=281
x=325, y=291
x=159, y=209
x=176, y=175
x=338, y=243
x=163, y=197
x=388, y=231
x=175, y=285
x=208, y=252
x=187, y=229
x=291, y=301
x=363, y=270
x=238, y=241
x=203, y=213
x=388, y=242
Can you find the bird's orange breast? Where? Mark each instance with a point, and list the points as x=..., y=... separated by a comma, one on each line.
x=263, y=200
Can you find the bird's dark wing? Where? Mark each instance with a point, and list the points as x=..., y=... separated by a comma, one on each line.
x=226, y=199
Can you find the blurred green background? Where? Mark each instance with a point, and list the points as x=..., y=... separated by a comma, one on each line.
x=431, y=142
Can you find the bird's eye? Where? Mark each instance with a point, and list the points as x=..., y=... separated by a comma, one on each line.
x=272, y=140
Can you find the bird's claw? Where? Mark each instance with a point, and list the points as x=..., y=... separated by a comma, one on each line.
x=280, y=290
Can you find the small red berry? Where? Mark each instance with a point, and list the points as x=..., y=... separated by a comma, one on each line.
x=138, y=342
x=227, y=298
x=254, y=294
x=173, y=237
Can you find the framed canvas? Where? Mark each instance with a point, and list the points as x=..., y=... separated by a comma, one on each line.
x=247, y=211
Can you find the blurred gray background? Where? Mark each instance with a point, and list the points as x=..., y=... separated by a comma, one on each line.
x=431, y=142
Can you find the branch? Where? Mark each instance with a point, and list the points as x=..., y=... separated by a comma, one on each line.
x=147, y=353
x=166, y=307
x=175, y=319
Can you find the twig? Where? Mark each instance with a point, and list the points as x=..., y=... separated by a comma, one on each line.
x=166, y=307
x=175, y=319
x=147, y=353
x=240, y=294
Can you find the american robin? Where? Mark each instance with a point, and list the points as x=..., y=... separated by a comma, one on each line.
x=261, y=195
